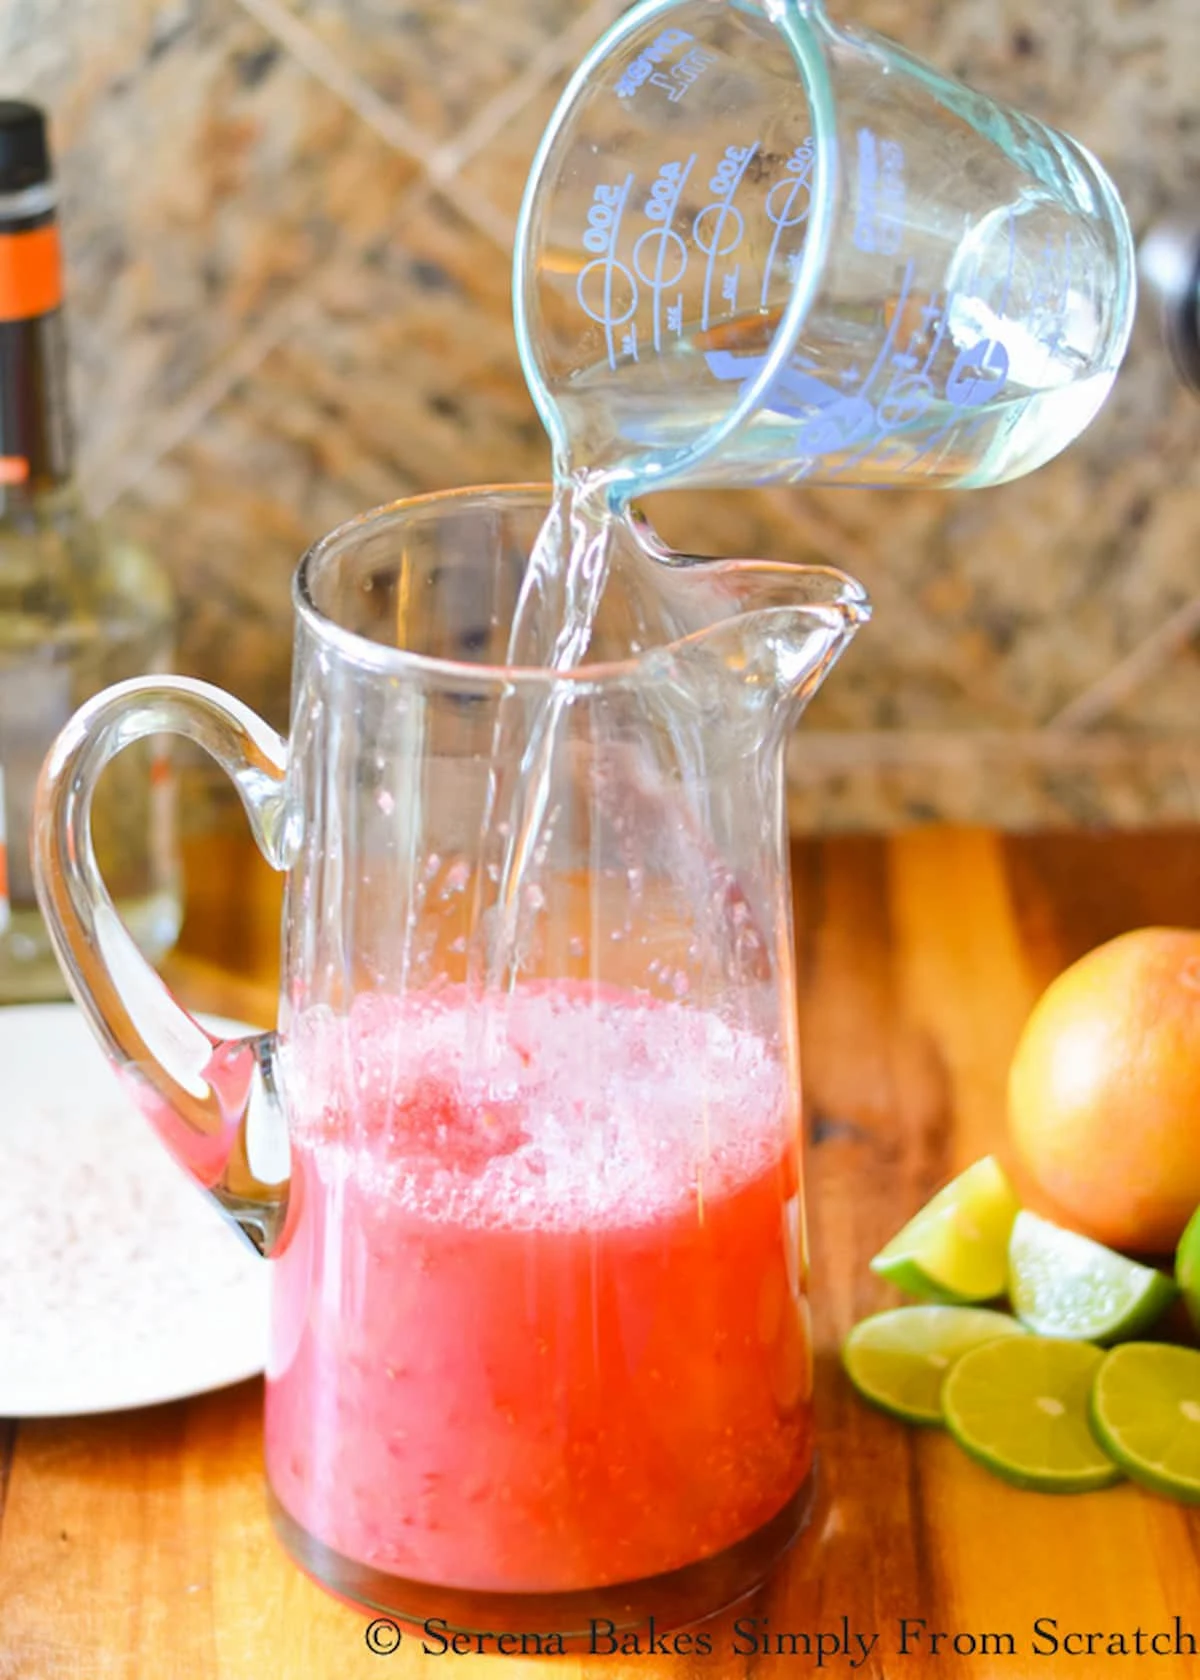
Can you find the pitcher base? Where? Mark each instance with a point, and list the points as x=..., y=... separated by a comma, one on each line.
x=587, y=1619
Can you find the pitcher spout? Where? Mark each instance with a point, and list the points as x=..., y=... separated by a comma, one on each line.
x=788, y=627
x=774, y=629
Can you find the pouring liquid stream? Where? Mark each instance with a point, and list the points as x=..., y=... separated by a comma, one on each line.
x=552, y=629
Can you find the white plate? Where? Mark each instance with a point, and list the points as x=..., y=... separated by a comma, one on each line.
x=120, y=1283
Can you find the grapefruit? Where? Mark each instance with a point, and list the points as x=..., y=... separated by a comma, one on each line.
x=1104, y=1090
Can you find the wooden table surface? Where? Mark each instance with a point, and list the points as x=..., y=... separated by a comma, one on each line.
x=138, y=1545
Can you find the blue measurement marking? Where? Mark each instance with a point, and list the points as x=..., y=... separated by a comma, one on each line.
x=673, y=204
x=1041, y=303
x=610, y=258
x=957, y=419
x=942, y=432
x=905, y=284
x=1039, y=292
x=940, y=334
x=879, y=435
x=723, y=207
x=781, y=221
x=951, y=299
x=967, y=428
x=793, y=391
x=965, y=432
x=896, y=447
x=1012, y=253
x=1055, y=339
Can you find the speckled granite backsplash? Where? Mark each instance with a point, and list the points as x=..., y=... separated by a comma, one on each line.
x=288, y=226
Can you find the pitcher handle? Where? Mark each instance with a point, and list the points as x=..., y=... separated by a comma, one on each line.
x=216, y=1103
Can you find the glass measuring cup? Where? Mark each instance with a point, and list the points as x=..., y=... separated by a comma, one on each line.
x=541, y=1346
x=758, y=248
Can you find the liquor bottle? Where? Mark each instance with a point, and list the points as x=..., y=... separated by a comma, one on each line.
x=77, y=610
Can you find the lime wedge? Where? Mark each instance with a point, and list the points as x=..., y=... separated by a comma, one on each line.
x=955, y=1249
x=1187, y=1268
x=898, y=1360
x=1146, y=1410
x=1020, y=1408
x=1062, y=1284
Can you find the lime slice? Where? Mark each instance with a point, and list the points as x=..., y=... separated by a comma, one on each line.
x=899, y=1359
x=955, y=1249
x=1062, y=1284
x=1187, y=1268
x=1146, y=1410
x=1020, y=1408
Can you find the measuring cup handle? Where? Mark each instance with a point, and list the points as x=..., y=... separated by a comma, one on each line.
x=215, y=1102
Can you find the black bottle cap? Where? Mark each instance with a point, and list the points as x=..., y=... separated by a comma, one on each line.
x=24, y=149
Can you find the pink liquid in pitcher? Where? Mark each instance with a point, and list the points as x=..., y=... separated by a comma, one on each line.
x=542, y=1326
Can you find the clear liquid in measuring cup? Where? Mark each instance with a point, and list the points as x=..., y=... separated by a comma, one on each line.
x=921, y=425
x=959, y=361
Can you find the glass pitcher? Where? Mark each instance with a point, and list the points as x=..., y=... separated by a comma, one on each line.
x=540, y=1346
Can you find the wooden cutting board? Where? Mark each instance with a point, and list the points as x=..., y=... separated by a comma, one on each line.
x=138, y=1545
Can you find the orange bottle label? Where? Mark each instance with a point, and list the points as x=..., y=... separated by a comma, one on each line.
x=30, y=273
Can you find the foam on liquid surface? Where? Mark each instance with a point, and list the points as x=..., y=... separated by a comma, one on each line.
x=571, y=1106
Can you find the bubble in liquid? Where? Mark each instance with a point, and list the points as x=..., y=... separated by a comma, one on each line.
x=432, y=864
x=385, y=802
x=608, y=1095
x=575, y=945
x=680, y=985
x=535, y=898
x=493, y=871
x=457, y=877
x=636, y=876
x=459, y=945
